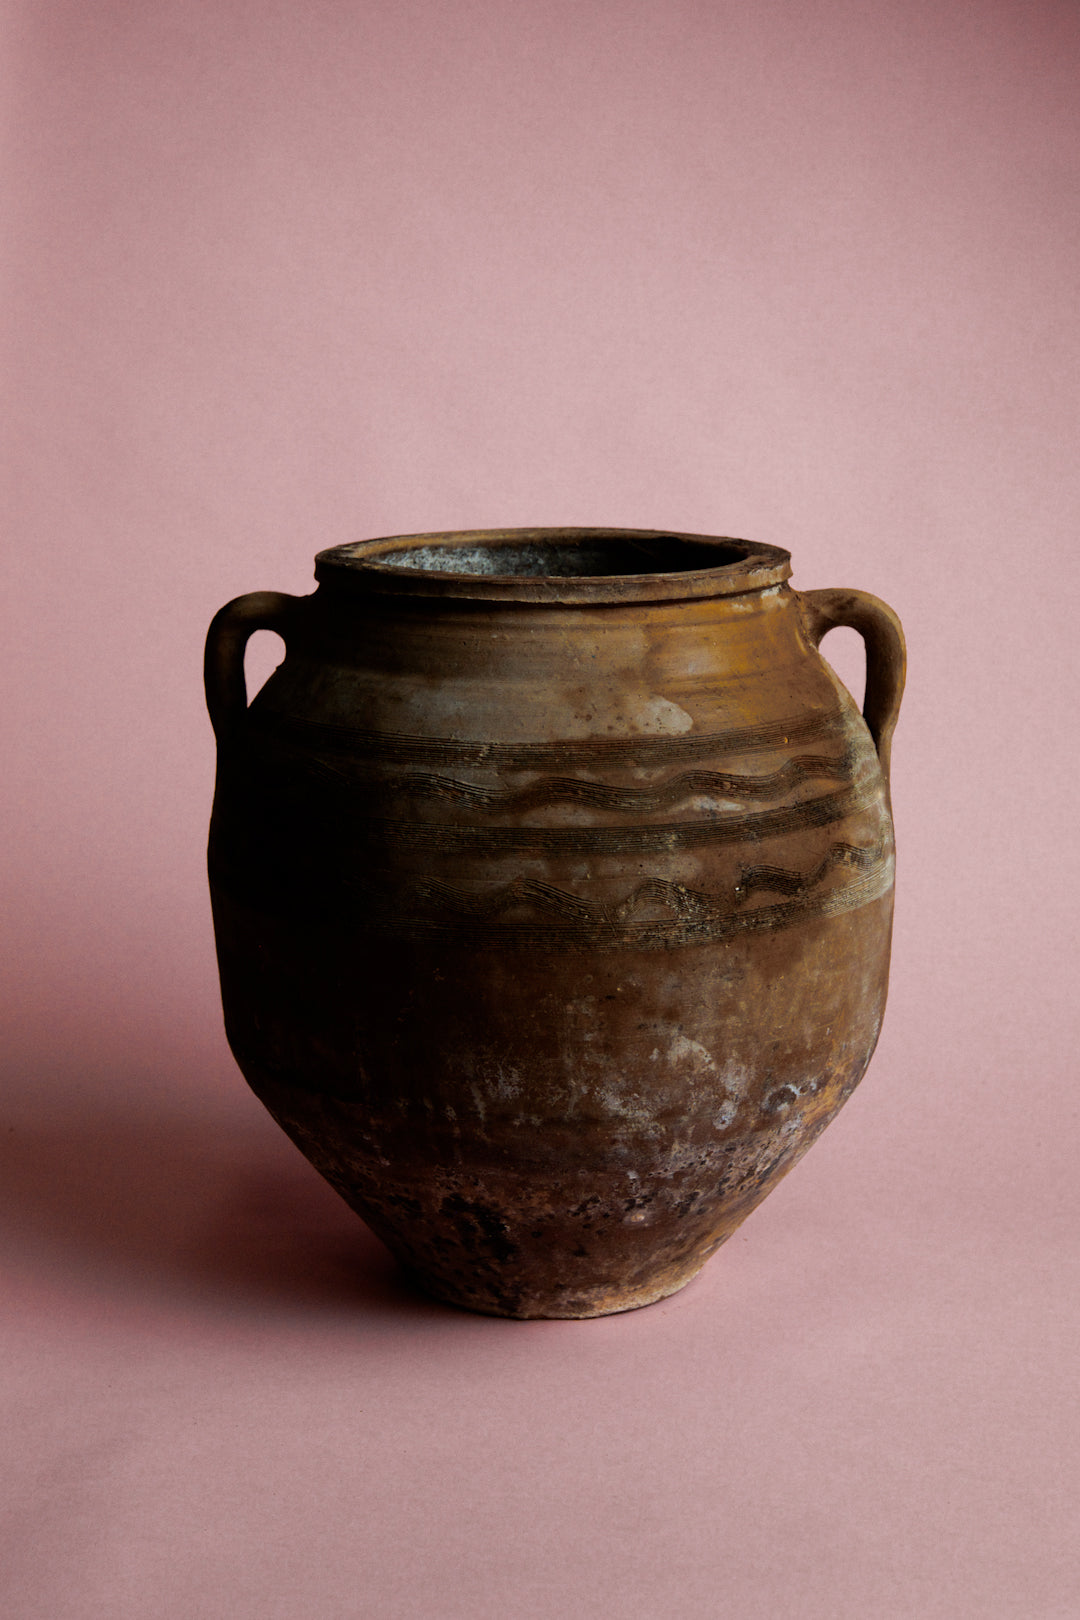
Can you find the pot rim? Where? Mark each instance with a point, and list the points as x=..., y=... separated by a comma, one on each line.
x=372, y=565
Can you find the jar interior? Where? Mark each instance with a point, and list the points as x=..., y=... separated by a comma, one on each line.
x=595, y=557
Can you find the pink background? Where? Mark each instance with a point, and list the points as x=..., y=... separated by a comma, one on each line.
x=283, y=275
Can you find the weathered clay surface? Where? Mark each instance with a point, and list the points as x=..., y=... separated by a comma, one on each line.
x=553, y=910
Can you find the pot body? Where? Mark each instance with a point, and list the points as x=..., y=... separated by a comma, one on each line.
x=552, y=927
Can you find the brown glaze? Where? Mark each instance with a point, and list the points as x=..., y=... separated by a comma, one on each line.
x=552, y=878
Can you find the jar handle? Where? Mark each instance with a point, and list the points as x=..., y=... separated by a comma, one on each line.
x=886, y=654
x=223, y=666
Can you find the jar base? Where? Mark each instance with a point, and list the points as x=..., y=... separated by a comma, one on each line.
x=577, y=1306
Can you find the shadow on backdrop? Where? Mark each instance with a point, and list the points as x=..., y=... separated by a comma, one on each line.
x=205, y=1209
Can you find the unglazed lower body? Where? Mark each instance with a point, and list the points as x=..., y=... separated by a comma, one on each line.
x=586, y=1158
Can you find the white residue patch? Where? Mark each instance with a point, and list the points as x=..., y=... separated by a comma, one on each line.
x=690, y=1056
x=507, y=1083
x=706, y=804
x=624, y=1105
x=659, y=714
x=736, y=1078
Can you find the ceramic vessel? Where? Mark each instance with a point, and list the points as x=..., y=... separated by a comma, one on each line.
x=552, y=875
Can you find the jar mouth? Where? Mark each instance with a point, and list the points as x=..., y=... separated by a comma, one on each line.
x=555, y=565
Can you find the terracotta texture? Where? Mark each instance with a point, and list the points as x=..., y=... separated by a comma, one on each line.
x=552, y=875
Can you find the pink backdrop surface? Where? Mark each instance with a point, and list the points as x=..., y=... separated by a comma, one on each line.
x=284, y=275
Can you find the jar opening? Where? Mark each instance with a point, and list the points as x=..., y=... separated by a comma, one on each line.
x=554, y=565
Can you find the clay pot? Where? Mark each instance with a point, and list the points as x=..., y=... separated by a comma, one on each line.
x=552, y=875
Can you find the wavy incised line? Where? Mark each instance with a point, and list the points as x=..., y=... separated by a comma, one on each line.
x=543, y=897
x=779, y=878
x=603, y=796
x=701, y=920
x=685, y=903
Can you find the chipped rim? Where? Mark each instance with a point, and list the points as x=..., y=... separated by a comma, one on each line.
x=369, y=565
